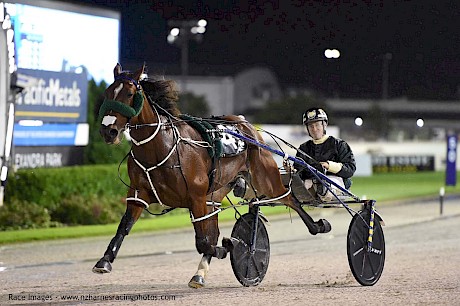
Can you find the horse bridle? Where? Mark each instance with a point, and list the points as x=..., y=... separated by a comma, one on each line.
x=119, y=107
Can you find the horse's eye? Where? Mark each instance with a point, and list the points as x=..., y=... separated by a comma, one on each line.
x=130, y=95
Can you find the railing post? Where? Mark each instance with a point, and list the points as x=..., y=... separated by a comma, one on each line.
x=441, y=200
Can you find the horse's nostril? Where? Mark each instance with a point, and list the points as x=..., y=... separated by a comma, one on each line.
x=113, y=132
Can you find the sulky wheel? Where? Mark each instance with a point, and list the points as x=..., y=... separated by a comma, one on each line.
x=250, y=267
x=367, y=266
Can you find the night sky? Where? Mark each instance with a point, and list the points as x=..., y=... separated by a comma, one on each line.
x=290, y=37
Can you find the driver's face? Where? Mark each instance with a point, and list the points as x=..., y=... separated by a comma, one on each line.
x=316, y=129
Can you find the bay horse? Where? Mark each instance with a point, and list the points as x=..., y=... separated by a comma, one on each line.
x=169, y=164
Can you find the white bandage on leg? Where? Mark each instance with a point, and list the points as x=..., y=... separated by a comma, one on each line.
x=203, y=267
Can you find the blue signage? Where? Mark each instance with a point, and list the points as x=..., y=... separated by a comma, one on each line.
x=51, y=134
x=53, y=97
x=451, y=170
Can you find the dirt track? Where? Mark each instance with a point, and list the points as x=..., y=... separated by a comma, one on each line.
x=422, y=266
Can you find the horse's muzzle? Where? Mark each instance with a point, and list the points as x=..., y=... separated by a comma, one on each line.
x=110, y=134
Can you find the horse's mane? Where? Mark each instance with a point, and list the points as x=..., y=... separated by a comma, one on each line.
x=164, y=93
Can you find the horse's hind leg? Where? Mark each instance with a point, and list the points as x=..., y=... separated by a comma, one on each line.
x=266, y=178
x=131, y=215
x=320, y=226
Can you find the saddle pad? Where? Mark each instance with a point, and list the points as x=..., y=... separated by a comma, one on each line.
x=231, y=145
x=202, y=127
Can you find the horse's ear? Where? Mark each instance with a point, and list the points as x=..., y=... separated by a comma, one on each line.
x=117, y=70
x=138, y=74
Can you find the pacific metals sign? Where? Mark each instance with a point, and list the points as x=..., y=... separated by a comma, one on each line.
x=54, y=97
x=57, y=103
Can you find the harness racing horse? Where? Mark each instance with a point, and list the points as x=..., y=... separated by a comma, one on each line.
x=169, y=164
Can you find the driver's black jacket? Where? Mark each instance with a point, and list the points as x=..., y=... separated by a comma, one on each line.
x=332, y=149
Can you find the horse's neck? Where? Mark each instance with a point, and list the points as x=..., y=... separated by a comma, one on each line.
x=153, y=136
x=146, y=123
x=147, y=115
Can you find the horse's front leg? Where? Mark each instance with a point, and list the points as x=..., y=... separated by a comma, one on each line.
x=130, y=217
x=198, y=280
x=206, y=237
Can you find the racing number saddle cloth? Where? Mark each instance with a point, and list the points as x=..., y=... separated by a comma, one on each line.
x=222, y=144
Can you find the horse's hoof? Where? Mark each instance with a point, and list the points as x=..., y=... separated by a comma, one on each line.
x=220, y=252
x=196, y=282
x=324, y=226
x=102, y=266
x=229, y=243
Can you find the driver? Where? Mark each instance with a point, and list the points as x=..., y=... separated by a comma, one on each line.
x=334, y=155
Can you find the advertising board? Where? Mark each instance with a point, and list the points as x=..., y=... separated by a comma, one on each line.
x=451, y=160
x=402, y=163
x=47, y=157
x=55, y=97
x=59, y=47
x=59, y=36
x=51, y=134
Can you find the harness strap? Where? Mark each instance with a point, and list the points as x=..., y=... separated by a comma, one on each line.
x=163, y=212
x=202, y=127
x=147, y=170
x=214, y=204
x=127, y=78
x=137, y=199
x=146, y=205
x=257, y=201
x=158, y=127
x=192, y=218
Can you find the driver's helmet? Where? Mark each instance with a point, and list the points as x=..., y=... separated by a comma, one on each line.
x=313, y=115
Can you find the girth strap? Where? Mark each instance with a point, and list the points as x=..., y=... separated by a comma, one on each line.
x=215, y=145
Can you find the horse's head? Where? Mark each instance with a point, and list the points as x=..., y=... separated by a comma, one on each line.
x=123, y=100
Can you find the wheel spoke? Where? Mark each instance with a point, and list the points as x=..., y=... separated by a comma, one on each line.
x=363, y=266
x=243, y=256
x=358, y=251
x=360, y=233
x=371, y=266
x=242, y=243
x=248, y=265
x=256, y=262
x=259, y=250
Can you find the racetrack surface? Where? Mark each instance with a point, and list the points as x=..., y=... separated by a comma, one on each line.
x=422, y=266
